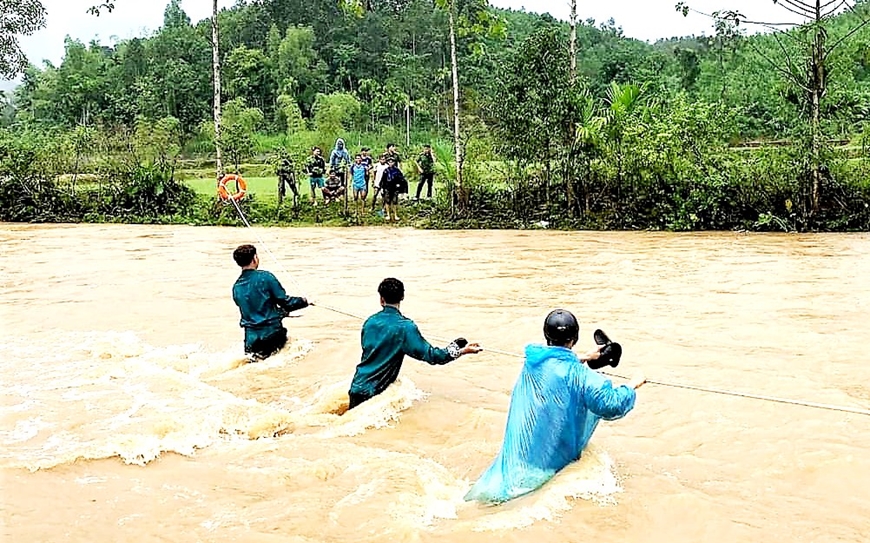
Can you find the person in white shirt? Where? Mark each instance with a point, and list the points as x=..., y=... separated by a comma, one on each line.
x=380, y=169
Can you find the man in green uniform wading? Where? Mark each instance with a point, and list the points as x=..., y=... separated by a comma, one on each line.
x=387, y=337
x=263, y=305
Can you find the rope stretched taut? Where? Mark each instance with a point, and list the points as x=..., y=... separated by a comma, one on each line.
x=855, y=410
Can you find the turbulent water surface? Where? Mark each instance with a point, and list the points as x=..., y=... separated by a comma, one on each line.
x=127, y=414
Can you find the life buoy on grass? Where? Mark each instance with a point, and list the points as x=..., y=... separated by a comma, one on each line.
x=241, y=186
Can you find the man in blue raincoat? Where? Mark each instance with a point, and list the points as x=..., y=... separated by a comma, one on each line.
x=555, y=407
x=263, y=305
x=339, y=160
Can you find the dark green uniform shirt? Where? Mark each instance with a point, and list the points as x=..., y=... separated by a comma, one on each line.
x=315, y=166
x=263, y=304
x=394, y=155
x=386, y=338
x=285, y=169
x=426, y=162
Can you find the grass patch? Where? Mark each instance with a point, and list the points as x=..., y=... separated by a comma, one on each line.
x=265, y=188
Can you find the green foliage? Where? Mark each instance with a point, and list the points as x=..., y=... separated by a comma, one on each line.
x=668, y=135
x=19, y=18
x=299, y=70
x=158, y=142
x=290, y=116
x=239, y=123
x=334, y=113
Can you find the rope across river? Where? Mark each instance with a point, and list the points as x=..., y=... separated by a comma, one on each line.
x=814, y=405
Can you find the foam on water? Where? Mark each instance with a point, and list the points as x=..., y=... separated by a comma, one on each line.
x=328, y=408
x=111, y=395
x=592, y=478
x=104, y=395
x=361, y=485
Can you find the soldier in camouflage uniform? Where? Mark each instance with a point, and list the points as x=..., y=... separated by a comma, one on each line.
x=316, y=168
x=426, y=168
x=286, y=177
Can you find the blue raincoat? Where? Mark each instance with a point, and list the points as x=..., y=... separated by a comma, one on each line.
x=339, y=157
x=555, y=407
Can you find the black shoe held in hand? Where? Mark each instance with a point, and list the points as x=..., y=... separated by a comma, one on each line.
x=609, y=355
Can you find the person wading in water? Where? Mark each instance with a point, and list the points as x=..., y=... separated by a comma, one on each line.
x=263, y=305
x=387, y=337
x=555, y=407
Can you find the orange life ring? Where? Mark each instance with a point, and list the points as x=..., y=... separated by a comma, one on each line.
x=241, y=186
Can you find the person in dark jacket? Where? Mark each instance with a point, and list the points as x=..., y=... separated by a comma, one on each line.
x=393, y=184
x=386, y=338
x=263, y=305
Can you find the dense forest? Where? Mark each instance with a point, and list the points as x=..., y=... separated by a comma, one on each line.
x=684, y=133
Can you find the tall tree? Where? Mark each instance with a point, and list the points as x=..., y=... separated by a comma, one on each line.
x=17, y=18
x=216, y=66
x=805, y=62
x=573, y=46
x=450, y=6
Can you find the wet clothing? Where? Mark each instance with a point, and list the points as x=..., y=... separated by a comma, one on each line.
x=356, y=399
x=263, y=304
x=555, y=407
x=265, y=347
x=386, y=338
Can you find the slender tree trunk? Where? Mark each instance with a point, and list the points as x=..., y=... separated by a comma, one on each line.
x=408, y=124
x=216, y=64
x=573, y=45
x=567, y=171
x=457, y=142
x=818, y=84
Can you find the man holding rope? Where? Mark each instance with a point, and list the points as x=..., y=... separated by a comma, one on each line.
x=263, y=305
x=387, y=337
x=555, y=407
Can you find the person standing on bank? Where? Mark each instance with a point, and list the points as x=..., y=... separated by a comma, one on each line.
x=286, y=177
x=393, y=153
x=393, y=183
x=263, y=305
x=316, y=168
x=339, y=161
x=386, y=338
x=426, y=168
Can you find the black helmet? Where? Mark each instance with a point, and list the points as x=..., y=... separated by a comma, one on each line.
x=561, y=327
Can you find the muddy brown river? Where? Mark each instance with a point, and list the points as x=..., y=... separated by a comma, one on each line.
x=126, y=413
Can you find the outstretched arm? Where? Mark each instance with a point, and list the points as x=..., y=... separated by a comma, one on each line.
x=605, y=401
x=287, y=303
x=417, y=347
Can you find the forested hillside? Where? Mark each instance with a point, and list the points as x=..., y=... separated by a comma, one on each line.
x=635, y=141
